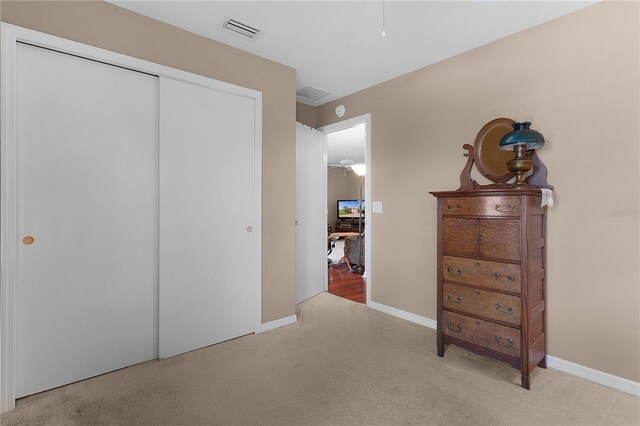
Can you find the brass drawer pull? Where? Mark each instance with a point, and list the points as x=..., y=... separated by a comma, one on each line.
x=508, y=311
x=482, y=235
x=502, y=279
x=508, y=343
x=457, y=272
x=455, y=208
x=454, y=299
x=457, y=328
x=504, y=209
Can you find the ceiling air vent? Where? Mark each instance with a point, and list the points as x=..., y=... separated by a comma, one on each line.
x=311, y=93
x=240, y=29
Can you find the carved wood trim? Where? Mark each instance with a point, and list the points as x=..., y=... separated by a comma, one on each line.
x=539, y=176
x=466, y=183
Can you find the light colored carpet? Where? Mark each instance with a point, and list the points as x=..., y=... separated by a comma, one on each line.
x=342, y=363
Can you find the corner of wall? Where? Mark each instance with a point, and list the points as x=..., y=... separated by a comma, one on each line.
x=307, y=114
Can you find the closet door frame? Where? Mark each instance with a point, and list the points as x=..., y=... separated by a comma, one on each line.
x=9, y=238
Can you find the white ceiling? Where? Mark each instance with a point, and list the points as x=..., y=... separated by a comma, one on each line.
x=336, y=46
x=348, y=143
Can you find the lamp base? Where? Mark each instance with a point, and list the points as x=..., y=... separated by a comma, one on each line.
x=520, y=165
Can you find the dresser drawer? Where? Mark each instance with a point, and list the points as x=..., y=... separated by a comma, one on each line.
x=482, y=206
x=484, y=303
x=482, y=333
x=483, y=273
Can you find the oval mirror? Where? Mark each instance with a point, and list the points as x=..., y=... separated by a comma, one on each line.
x=490, y=160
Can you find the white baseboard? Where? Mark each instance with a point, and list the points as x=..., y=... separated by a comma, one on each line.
x=272, y=325
x=427, y=322
x=597, y=376
x=606, y=379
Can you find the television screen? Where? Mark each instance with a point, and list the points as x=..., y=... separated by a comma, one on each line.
x=349, y=209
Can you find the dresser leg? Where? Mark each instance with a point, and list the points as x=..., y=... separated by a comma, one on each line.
x=525, y=381
x=440, y=350
x=543, y=363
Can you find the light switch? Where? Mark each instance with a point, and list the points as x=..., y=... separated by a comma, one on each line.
x=377, y=207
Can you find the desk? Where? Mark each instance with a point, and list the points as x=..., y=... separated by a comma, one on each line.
x=352, y=228
x=339, y=235
x=345, y=235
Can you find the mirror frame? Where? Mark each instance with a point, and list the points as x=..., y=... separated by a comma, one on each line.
x=478, y=145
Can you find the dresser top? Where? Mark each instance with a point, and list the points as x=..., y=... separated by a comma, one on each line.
x=489, y=192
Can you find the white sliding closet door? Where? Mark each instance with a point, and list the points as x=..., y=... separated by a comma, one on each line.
x=86, y=298
x=311, y=213
x=207, y=208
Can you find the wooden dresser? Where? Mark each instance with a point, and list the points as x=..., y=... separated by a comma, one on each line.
x=491, y=275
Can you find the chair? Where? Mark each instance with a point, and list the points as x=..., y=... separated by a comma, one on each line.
x=331, y=243
x=352, y=251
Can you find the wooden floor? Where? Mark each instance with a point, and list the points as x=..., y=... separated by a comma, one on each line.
x=345, y=283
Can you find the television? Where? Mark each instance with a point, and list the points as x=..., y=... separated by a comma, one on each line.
x=349, y=209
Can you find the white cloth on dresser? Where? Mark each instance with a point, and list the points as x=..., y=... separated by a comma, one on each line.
x=547, y=197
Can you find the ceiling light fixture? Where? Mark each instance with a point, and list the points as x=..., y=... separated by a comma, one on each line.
x=347, y=162
x=383, y=32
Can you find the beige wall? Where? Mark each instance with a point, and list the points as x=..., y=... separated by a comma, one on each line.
x=107, y=26
x=340, y=186
x=577, y=79
x=306, y=114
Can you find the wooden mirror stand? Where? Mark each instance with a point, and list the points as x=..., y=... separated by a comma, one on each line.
x=491, y=161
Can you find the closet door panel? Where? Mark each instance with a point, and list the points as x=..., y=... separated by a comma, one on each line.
x=207, y=209
x=86, y=300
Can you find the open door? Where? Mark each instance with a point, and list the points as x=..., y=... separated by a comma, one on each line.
x=311, y=210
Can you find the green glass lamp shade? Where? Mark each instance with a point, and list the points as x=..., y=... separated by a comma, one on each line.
x=522, y=135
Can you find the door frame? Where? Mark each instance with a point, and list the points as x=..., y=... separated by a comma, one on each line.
x=9, y=244
x=342, y=125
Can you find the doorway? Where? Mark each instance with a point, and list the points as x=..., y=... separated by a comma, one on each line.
x=347, y=168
